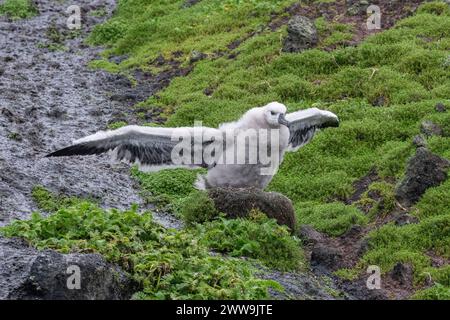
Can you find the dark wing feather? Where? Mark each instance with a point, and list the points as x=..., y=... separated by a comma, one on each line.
x=303, y=124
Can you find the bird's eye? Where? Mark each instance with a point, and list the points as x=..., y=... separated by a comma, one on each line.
x=273, y=113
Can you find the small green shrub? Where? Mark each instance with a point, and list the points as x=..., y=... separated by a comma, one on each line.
x=168, y=264
x=172, y=183
x=18, y=9
x=435, y=202
x=333, y=219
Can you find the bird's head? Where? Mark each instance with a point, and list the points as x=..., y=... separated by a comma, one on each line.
x=274, y=113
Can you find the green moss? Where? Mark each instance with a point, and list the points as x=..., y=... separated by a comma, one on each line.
x=391, y=244
x=436, y=292
x=98, y=12
x=347, y=274
x=18, y=9
x=333, y=219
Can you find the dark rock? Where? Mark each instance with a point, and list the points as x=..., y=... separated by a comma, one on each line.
x=429, y=128
x=401, y=219
x=354, y=232
x=424, y=170
x=123, y=97
x=239, y=202
x=358, y=290
x=357, y=7
x=27, y=273
x=402, y=273
x=309, y=235
x=419, y=141
x=189, y=3
x=325, y=258
x=440, y=107
x=302, y=35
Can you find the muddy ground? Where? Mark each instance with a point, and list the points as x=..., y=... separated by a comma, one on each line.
x=49, y=98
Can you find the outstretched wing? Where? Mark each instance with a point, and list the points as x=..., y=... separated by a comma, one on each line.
x=149, y=147
x=303, y=124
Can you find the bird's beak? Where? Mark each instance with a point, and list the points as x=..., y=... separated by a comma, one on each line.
x=282, y=120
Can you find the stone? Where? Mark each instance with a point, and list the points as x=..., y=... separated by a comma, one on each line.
x=29, y=274
x=325, y=258
x=238, y=202
x=302, y=35
x=401, y=219
x=429, y=128
x=419, y=141
x=357, y=7
x=440, y=107
x=424, y=170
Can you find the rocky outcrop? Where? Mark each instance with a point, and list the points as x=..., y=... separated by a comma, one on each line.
x=189, y=3
x=440, y=107
x=309, y=235
x=429, y=128
x=27, y=273
x=425, y=170
x=302, y=35
x=239, y=202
